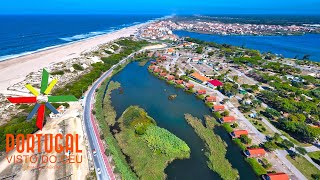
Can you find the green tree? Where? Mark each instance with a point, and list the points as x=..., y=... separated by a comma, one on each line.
x=270, y=146
x=235, y=78
x=288, y=144
x=301, y=150
x=245, y=139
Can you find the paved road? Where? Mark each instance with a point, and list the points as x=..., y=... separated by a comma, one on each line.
x=100, y=159
x=173, y=62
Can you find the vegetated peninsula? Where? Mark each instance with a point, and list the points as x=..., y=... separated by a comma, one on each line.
x=215, y=147
x=149, y=148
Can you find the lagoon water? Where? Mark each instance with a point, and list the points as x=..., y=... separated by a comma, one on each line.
x=288, y=46
x=145, y=90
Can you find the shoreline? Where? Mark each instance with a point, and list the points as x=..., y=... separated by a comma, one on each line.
x=16, y=69
x=66, y=43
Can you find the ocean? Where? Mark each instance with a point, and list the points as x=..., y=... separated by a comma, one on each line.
x=288, y=46
x=26, y=34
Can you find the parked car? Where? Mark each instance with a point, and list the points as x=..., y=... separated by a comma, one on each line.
x=99, y=171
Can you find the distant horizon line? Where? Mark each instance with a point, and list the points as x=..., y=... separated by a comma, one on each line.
x=167, y=14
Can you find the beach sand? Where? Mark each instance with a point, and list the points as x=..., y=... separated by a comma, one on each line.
x=15, y=70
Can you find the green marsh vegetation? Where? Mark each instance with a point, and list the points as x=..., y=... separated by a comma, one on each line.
x=148, y=147
x=119, y=159
x=216, y=148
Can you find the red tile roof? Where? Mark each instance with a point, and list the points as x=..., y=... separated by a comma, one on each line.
x=211, y=98
x=170, y=50
x=218, y=108
x=189, y=85
x=238, y=133
x=156, y=70
x=170, y=77
x=201, y=91
x=215, y=82
x=179, y=81
x=163, y=74
x=199, y=77
x=152, y=67
x=229, y=119
x=256, y=151
x=278, y=176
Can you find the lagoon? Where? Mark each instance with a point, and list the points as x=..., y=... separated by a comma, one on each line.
x=288, y=46
x=150, y=93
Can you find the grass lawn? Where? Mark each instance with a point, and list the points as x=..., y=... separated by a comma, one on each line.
x=149, y=148
x=256, y=166
x=261, y=126
x=315, y=156
x=215, y=147
x=304, y=166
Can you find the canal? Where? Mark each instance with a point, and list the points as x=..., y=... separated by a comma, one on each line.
x=150, y=93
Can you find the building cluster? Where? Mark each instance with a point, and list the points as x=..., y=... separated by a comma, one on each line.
x=158, y=31
x=234, y=28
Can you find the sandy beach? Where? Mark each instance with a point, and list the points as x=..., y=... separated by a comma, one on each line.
x=15, y=70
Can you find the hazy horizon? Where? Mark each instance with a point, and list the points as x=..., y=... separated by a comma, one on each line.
x=180, y=7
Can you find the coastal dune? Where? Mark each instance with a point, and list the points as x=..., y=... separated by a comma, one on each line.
x=15, y=70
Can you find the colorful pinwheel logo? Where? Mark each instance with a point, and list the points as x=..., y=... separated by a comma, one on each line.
x=42, y=99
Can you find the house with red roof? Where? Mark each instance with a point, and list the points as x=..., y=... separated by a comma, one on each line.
x=163, y=58
x=238, y=133
x=201, y=91
x=218, y=108
x=214, y=83
x=170, y=51
x=163, y=74
x=211, y=99
x=179, y=81
x=156, y=70
x=276, y=176
x=254, y=152
x=227, y=119
x=199, y=78
x=189, y=85
x=152, y=67
x=195, y=59
x=170, y=77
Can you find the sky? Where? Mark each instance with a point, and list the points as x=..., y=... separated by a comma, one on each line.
x=160, y=7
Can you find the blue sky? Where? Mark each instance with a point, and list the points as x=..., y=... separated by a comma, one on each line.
x=160, y=6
